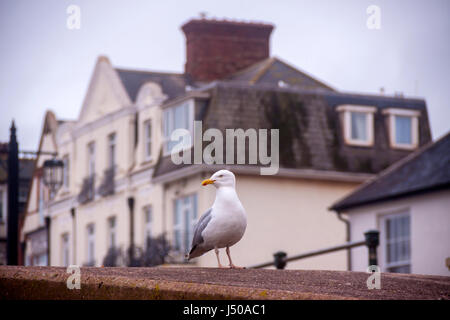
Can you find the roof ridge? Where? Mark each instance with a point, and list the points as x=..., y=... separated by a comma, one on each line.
x=148, y=71
x=380, y=96
x=308, y=75
x=395, y=166
x=246, y=69
x=266, y=65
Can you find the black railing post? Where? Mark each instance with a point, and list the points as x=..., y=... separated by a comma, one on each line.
x=280, y=259
x=372, y=242
x=13, y=199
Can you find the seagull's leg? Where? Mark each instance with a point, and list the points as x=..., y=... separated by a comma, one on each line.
x=232, y=266
x=216, y=250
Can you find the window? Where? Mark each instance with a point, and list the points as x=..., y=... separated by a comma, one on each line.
x=111, y=150
x=403, y=132
x=147, y=140
x=40, y=260
x=358, y=124
x=148, y=224
x=185, y=215
x=66, y=172
x=90, y=244
x=397, y=243
x=112, y=232
x=403, y=128
x=91, y=159
x=65, y=249
x=179, y=117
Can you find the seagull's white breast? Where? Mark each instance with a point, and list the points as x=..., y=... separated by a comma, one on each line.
x=228, y=220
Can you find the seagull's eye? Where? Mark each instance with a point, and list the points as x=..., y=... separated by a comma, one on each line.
x=221, y=176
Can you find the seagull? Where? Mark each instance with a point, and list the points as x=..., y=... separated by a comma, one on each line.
x=224, y=224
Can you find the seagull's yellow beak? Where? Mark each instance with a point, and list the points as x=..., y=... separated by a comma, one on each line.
x=207, y=181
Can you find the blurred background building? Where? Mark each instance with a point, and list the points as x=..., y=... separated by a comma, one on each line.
x=409, y=203
x=121, y=188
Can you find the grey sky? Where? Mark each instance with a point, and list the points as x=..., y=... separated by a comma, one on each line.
x=44, y=65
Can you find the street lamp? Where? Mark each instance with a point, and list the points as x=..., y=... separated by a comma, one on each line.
x=53, y=174
x=53, y=179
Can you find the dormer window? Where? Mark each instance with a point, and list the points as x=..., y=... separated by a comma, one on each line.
x=357, y=124
x=403, y=128
x=178, y=117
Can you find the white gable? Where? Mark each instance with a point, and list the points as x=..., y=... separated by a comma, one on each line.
x=105, y=94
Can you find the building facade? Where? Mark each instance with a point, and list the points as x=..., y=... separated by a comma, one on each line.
x=121, y=185
x=408, y=203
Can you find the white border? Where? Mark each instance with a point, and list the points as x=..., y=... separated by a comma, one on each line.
x=414, y=115
x=369, y=111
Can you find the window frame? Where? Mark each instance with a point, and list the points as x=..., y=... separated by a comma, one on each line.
x=414, y=115
x=89, y=238
x=171, y=119
x=65, y=248
x=186, y=228
x=147, y=140
x=112, y=232
x=112, y=144
x=384, y=241
x=369, y=111
x=91, y=158
x=148, y=211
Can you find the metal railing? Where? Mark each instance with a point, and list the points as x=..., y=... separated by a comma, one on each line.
x=371, y=241
x=87, y=192
x=107, y=187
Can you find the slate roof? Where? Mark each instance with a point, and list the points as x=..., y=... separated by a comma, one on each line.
x=173, y=84
x=303, y=108
x=311, y=134
x=270, y=71
x=425, y=170
x=266, y=72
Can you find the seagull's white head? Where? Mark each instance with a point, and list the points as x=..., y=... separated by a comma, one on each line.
x=222, y=178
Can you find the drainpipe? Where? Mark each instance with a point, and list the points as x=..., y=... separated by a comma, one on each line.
x=48, y=226
x=74, y=235
x=347, y=239
x=131, y=209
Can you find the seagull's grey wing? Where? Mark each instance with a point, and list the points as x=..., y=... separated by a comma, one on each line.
x=201, y=225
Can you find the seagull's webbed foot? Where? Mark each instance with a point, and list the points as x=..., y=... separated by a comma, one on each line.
x=232, y=266
x=220, y=266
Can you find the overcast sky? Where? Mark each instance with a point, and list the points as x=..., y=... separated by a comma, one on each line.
x=44, y=65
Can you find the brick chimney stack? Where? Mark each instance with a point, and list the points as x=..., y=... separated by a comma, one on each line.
x=216, y=49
